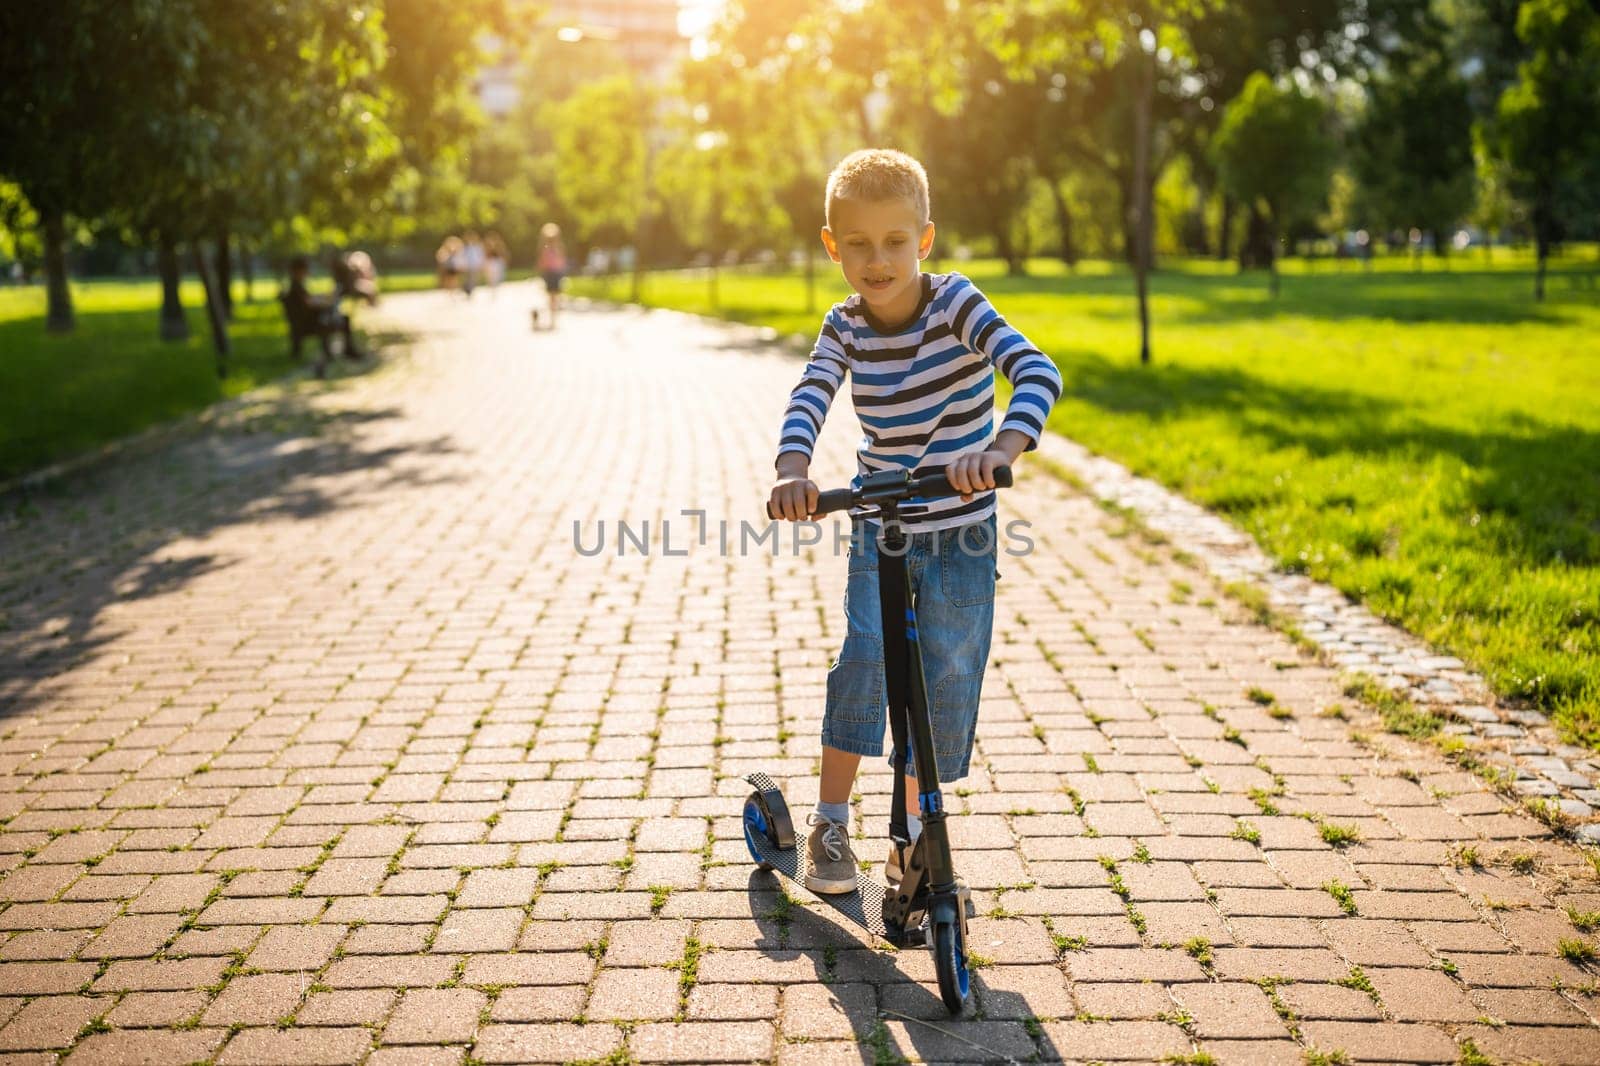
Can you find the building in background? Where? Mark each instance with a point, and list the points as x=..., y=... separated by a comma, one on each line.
x=644, y=33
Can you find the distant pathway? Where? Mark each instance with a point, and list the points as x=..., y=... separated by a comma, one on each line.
x=321, y=743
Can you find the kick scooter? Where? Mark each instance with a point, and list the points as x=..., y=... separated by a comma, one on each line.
x=928, y=906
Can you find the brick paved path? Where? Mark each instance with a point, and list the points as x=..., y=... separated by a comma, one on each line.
x=321, y=743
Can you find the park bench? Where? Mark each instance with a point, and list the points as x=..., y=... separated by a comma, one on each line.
x=329, y=321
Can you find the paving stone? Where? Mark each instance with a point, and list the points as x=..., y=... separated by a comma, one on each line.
x=1230, y=1011
x=145, y=1047
x=562, y=1042
x=156, y=1009
x=1311, y=1001
x=257, y=999
x=416, y=1056
x=1113, y=1041
x=543, y=1004
x=1569, y=1046
x=301, y=1047
x=296, y=947
x=435, y=1016
x=50, y=1022
x=160, y=976
x=621, y=995
x=344, y=1008
x=1381, y=1041
x=1145, y=1000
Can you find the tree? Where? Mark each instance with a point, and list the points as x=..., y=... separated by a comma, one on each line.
x=743, y=163
x=68, y=91
x=1547, y=123
x=1272, y=150
x=599, y=135
x=1135, y=65
x=1234, y=40
x=717, y=194
x=1413, y=147
x=272, y=113
x=977, y=189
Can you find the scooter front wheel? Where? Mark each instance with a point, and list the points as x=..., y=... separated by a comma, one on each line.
x=950, y=963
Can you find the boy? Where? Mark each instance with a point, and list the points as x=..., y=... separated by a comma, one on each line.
x=921, y=349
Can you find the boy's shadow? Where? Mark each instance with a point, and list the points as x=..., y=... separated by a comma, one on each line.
x=890, y=997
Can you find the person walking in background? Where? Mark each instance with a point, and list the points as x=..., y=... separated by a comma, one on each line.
x=471, y=262
x=496, y=259
x=552, y=265
x=448, y=260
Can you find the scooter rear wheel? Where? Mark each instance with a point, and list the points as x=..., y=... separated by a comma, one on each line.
x=755, y=821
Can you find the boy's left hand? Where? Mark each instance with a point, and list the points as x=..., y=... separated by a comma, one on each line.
x=974, y=471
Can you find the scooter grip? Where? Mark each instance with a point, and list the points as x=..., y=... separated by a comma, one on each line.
x=939, y=484
x=834, y=500
x=831, y=500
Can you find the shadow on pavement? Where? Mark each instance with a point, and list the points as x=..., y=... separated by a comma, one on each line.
x=87, y=542
x=890, y=998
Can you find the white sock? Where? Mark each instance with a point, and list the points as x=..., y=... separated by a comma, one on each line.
x=913, y=826
x=835, y=812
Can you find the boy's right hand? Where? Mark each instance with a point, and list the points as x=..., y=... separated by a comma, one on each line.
x=793, y=499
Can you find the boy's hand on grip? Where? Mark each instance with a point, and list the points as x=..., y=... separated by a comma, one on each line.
x=974, y=472
x=793, y=499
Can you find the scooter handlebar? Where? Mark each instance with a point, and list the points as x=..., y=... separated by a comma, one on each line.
x=929, y=485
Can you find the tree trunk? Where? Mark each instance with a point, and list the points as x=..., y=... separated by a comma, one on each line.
x=1272, y=257
x=1008, y=249
x=58, y=298
x=224, y=272
x=636, y=284
x=174, y=326
x=1141, y=188
x=811, y=279
x=1069, y=248
x=1196, y=241
x=220, y=345
x=1128, y=200
x=1258, y=248
x=1542, y=244
x=1225, y=230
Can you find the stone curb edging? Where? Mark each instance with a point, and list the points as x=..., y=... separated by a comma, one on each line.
x=1521, y=743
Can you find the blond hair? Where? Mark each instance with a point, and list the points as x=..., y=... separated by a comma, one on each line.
x=877, y=174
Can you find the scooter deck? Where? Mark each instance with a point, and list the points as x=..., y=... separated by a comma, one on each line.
x=864, y=906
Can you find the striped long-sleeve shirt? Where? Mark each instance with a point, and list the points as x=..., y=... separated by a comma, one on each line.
x=924, y=392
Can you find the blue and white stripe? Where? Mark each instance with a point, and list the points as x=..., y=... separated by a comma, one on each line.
x=924, y=392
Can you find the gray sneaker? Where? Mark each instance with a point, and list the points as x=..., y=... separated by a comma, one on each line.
x=830, y=864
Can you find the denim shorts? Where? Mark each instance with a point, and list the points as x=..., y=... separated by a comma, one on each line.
x=953, y=576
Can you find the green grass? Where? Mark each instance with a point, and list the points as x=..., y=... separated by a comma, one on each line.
x=113, y=376
x=1428, y=441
